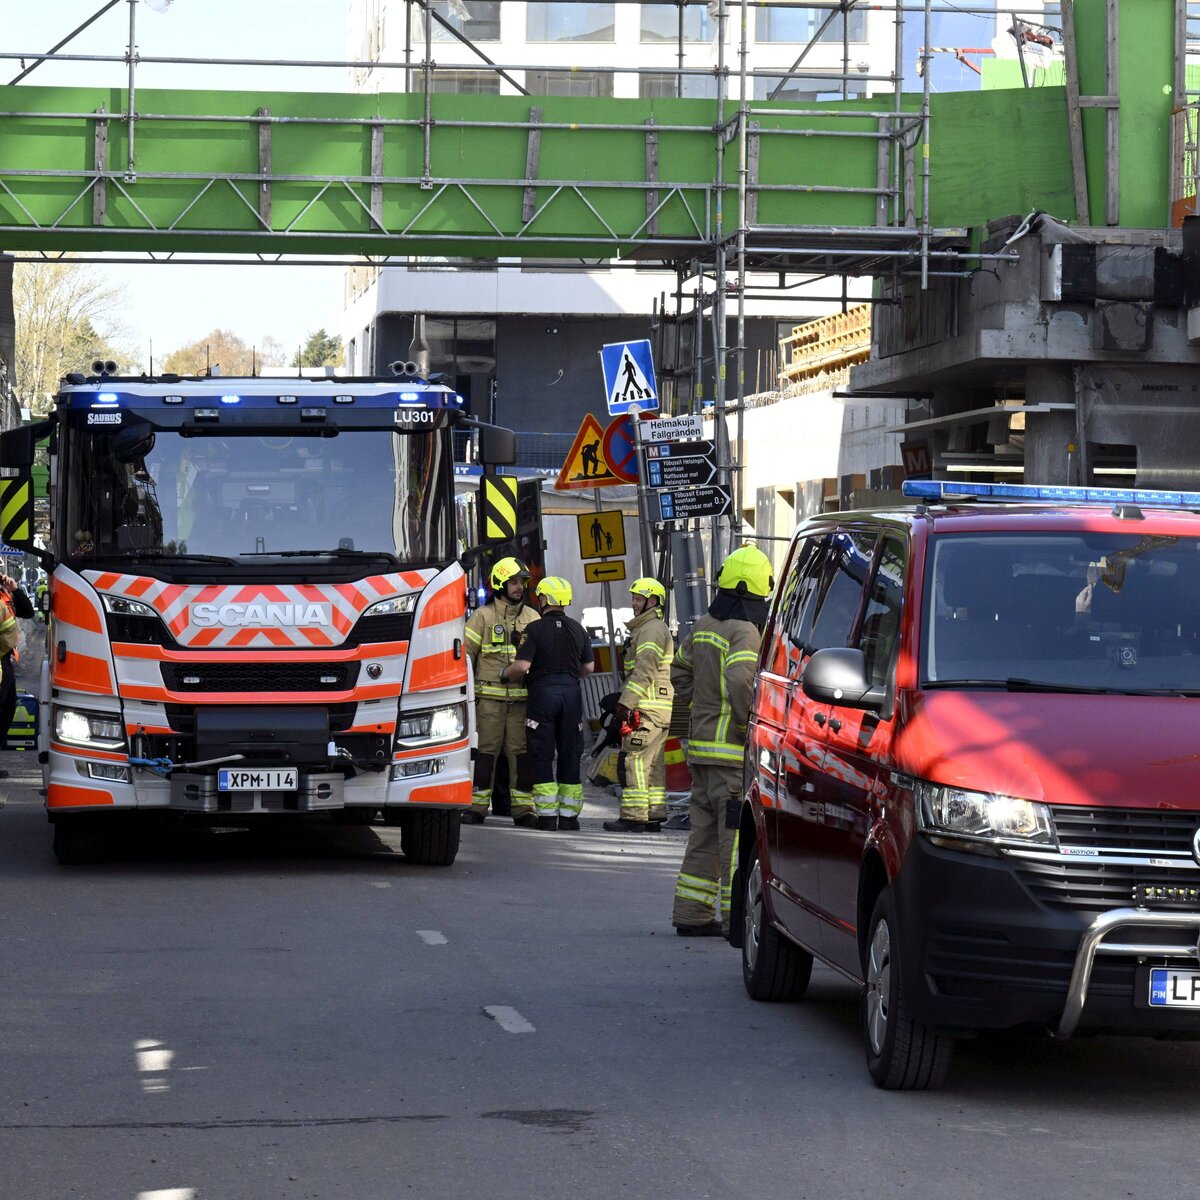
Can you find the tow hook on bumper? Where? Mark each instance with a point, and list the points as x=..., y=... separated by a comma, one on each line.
x=1093, y=943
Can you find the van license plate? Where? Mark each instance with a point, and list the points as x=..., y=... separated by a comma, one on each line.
x=1174, y=989
x=250, y=780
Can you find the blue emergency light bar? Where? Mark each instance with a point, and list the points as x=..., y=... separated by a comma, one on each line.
x=951, y=490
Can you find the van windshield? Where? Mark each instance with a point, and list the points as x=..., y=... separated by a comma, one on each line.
x=1090, y=611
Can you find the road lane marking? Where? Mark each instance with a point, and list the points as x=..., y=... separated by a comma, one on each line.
x=153, y=1061
x=168, y=1194
x=431, y=937
x=381, y=885
x=508, y=1019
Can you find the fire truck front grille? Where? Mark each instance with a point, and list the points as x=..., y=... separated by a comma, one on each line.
x=392, y=627
x=145, y=631
x=182, y=717
x=260, y=677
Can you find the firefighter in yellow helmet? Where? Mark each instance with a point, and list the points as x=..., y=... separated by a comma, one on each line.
x=494, y=631
x=713, y=674
x=553, y=658
x=644, y=708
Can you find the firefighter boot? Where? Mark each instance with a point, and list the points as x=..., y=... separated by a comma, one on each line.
x=622, y=825
x=550, y=824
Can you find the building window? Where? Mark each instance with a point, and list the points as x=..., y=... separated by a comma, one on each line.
x=656, y=84
x=467, y=83
x=800, y=24
x=569, y=83
x=660, y=23
x=548, y=22
x=803, y=90
x=477, y=19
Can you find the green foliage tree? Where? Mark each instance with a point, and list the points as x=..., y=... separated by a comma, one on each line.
x=67, y=317
x=321, y=350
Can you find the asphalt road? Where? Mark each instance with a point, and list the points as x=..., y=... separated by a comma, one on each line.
x=233, y=1017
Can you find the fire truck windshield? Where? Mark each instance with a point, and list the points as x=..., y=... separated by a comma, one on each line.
x=140, y=492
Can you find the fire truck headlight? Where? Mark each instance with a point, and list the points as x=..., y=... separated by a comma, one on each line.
x=88, y=729
x=397, y=604
x=431, y=725
x=127, y=608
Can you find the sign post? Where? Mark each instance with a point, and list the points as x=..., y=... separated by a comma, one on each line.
x=605, y=590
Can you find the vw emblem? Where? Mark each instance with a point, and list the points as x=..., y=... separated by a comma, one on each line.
x=375, y=670
x=1196, y=845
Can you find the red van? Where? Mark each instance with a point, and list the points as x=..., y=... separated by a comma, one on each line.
x=973, y=769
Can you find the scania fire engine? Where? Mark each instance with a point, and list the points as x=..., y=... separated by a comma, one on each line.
x=256, y=604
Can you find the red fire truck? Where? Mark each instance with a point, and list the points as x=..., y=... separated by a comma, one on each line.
x=256, y=604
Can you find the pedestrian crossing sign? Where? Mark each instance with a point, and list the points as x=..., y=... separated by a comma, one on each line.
x=629, y=377
x=585, y=466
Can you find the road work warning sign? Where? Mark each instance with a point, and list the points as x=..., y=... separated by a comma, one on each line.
x=585, y=465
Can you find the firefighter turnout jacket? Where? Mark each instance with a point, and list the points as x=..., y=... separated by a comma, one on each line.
x=493, y=633
x=713, y=675
x=647, y=663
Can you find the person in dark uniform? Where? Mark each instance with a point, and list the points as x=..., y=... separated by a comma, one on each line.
x=13, y=604
x=554, y=655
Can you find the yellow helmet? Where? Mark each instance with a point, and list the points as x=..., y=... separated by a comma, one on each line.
x=747, y=570
x=556, y=590
x=506, y=569
x=650, y=588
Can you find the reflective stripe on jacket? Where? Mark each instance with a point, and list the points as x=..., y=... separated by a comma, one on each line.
x=713, y=674
x=491, y=645
x=647, y=663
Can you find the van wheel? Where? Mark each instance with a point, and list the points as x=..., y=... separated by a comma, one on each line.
x=431, y=838
x=902, y=1054
x=79, y=842
x=773, y=968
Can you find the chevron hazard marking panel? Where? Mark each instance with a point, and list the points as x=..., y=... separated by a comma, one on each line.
x=498, y=508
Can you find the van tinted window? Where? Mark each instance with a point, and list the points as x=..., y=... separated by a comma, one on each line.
x=847, y=565
x=880, y=637
x=1101, y=611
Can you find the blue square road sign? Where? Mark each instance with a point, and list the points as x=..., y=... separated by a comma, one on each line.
x=629, y=377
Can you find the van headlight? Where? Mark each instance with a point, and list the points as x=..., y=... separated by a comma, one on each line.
x=76, y=728
x=983, y=816
x=431, y=725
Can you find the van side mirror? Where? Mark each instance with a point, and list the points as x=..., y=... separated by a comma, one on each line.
x=838, y=675
x=497, y=446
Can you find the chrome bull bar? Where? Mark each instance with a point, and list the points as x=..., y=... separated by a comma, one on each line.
x=1093, y=943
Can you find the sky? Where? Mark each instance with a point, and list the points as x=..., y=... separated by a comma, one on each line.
x=173, y=305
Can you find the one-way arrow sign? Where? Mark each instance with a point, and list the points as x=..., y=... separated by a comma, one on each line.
x=692, y=502
x=680, y=464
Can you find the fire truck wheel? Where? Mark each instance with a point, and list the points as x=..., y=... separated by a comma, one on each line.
x=431, y=837
x=354, y=816
x=79, y=841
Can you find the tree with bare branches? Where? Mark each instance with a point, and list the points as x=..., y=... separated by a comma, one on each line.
x=67, y=316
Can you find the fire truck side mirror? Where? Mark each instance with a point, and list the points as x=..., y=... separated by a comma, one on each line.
x=497, y=446
x=16, y=447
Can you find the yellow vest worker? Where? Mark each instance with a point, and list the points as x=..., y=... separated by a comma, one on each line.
x=645, y=708
x=493, y=633
x=713, y=675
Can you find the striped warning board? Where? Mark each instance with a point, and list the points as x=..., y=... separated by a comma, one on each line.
x=497, y=508
x=16, y=510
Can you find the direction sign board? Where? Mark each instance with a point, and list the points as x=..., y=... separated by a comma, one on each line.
x=628, y=376
x=604, y=572
x=685, y=503
x=680, y=464
x=601, y=534
x=667, y=429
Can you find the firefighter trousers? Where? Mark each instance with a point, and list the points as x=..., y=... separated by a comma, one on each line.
x=641, y=772
x=500, y=726
x=554, y=727
x=702, y=892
